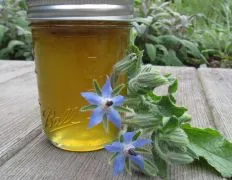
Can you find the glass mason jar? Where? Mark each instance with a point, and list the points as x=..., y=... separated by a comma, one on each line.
x=74, y=43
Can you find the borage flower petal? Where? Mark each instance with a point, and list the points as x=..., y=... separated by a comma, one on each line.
x=115, y=147
x=138, y=160
x=128, y=136
x=141, y=142
x=92, y=98
x=118, y=100
x=119, y=164
x=96, y=117
x=114, y=117
x=107, y=89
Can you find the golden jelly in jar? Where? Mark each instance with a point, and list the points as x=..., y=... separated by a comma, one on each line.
x=71, y=49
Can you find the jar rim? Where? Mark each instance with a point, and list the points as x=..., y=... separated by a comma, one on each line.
x=122, y=10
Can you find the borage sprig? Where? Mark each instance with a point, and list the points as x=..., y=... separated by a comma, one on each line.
x=165, y=123
x=160, y=120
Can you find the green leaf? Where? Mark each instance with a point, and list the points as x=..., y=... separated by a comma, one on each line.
x=171, y=124
x=88, y=108
x=158, y=146
x=22, y=31
x=172, y=98
x=150, y=168
x=163, y=49
x=137, y=134
x=122, y=109
x=14, y=43
x=161, y=164
x=179, y=158
x=141, y=29
x=137, y=2
x=192, y=153
x=170, y=41
x=3, y=30
x=171, y=59
x=151, y=51
x=121, y=138
x=118, y=90
x=128, y=65
x=165, y=107
x=192, y=48
x=145, y=82
x=112, y=158
x=23, y=4
x=173, y=87
x=143, y=121
x=97, y=87
x=4, y=53
x=142, y=151
x=138, y=103
x=178, y=137
x=128, y=166
x=145, y=21
x=177, y=148
x=153, y=39
x=106, y=124
x=185, y=118
x=212, y=146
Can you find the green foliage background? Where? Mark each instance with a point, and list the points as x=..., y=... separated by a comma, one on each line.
x=206, y=24
x=214, y=31
x=15, y=34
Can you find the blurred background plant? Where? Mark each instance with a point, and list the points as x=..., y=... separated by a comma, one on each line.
x=15, y=34
x=161, y=33
x=214, y=33
x=170, y=32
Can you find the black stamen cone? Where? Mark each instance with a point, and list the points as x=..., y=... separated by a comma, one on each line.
x=109, y=103
x=132, y=152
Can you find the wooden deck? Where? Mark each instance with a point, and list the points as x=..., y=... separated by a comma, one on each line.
x=26, y=154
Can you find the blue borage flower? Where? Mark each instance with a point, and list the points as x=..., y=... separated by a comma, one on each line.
x=127, y=149
x=104, y=105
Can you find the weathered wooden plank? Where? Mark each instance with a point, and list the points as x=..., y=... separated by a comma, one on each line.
x=19, y=114
x=190, y=94
x=217, y=84
x=11, y=69
x=40, y=160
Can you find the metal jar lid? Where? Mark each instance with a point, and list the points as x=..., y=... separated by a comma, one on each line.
x=107, y=10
